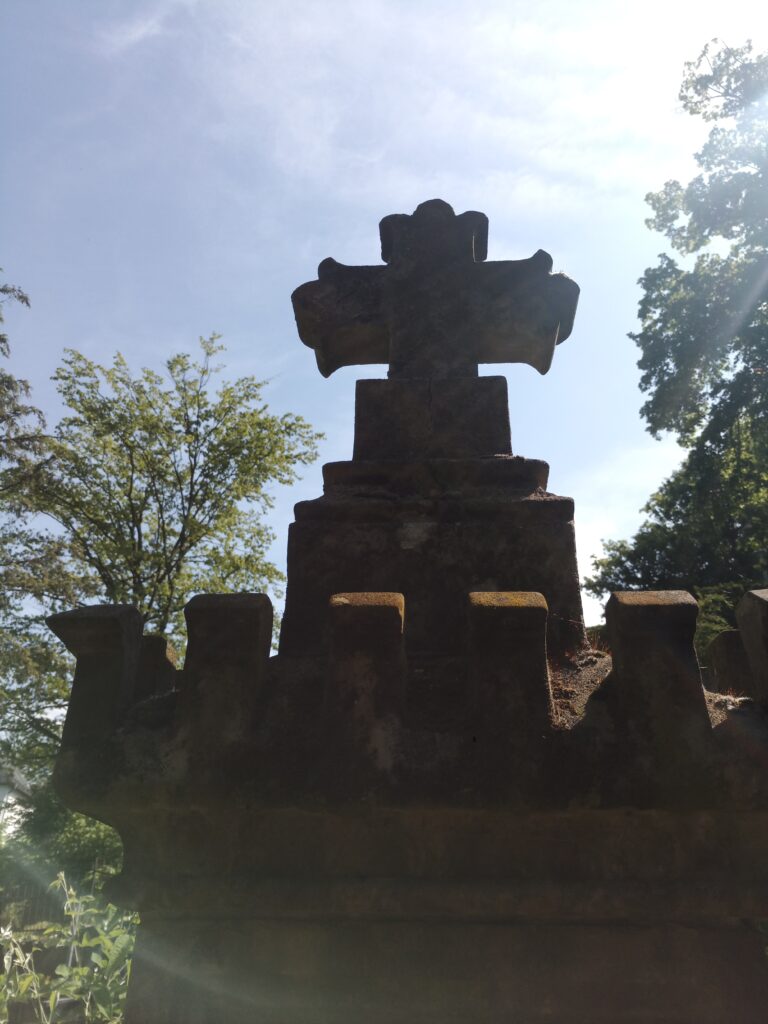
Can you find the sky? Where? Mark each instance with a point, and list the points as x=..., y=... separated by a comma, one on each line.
x=173, y=168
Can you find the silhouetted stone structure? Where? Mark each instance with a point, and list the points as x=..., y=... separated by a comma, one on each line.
x=436, y=803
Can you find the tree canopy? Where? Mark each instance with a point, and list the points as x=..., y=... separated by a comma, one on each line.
x=704, y=327
x=20, y=421
x=704, y=347
x=160, y=487
x=155, y=487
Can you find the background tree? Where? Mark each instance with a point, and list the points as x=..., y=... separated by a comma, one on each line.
x=704, y=345
x=30, y=570
x=19, y=420
x=160, y=487
x=33, y=668
x=156, y=487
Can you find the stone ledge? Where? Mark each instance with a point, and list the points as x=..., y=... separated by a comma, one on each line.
x=536, y=509
x=428, y=845
x=390, y=899
x=438, y=476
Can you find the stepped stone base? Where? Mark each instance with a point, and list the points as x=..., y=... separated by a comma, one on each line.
x=434, y=531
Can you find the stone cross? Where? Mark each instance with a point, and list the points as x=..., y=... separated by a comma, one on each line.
x=436, y=309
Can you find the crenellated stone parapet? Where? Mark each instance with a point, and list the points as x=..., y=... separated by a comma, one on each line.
x=460, y=730
x=273, y=791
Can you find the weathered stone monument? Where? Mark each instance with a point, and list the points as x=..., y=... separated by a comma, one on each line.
x=436, y=803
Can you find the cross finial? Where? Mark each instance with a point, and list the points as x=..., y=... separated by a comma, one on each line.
x=436, y=309
x=433, y=234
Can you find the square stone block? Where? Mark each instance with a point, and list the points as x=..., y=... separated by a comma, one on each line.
x=458, y=417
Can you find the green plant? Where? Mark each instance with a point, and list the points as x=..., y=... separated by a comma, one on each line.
x=93, y=946
x=158, y=485
x=704, y=354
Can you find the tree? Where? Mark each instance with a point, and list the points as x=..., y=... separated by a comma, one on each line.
x=707, y=524
x=706, y=532
x=704, y=348
x=156, y=488
x=159, y=487
x=34, y=670
x=19, y=420
x=704, y=327
x=29, y=565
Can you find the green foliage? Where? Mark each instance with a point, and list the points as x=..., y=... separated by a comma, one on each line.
x=707, y=524
x=31, y=572
x=160, y=487
x=704, y=334
x=724, y=81
x=50, y=837
x=704, y=345
x=20, y=422
x=156, y=488
x=717, y=606
x=9, y=293
x=93, y=947
x=705, y=531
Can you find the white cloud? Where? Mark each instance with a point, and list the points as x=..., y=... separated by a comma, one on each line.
x=124, y=34
x=402, y=100
x=388, y=101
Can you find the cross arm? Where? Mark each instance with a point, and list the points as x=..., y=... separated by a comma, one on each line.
x=437, y=308
x=340, y=316
x=520, y=311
